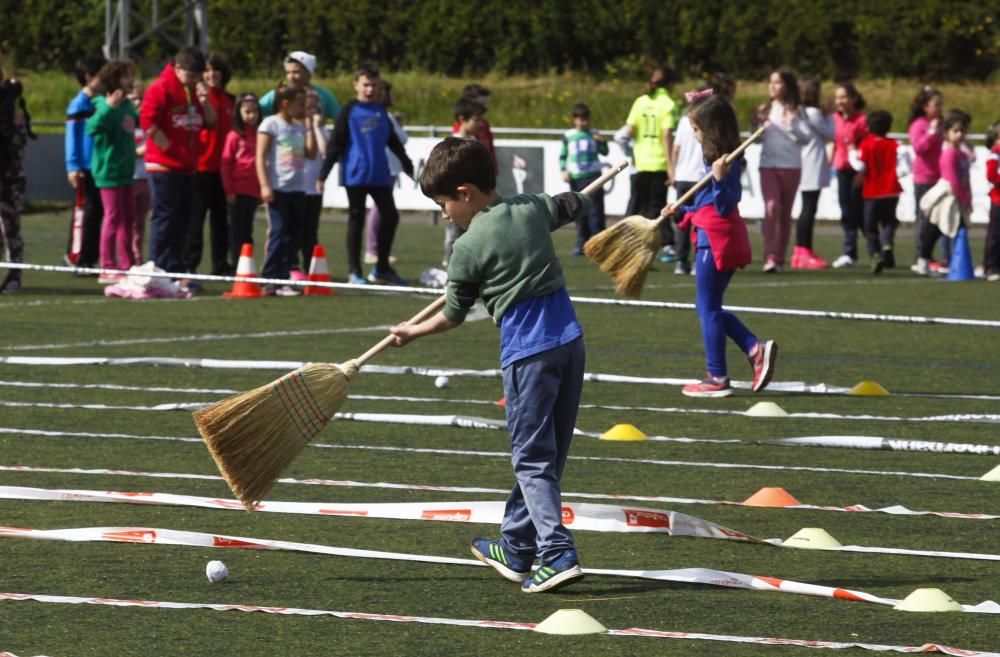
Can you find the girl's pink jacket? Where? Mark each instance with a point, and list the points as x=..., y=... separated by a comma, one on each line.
x=238, y=166
x=727, y=236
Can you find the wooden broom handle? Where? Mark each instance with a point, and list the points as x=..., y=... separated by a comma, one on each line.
x=708, y=176
x=387, y=341
x=605, y=177
x=438, y=303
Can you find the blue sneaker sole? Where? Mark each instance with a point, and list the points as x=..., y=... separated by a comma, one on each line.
x=504, y=571
x=556, y=582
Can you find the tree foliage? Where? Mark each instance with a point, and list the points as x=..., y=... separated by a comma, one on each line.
x=934, y=39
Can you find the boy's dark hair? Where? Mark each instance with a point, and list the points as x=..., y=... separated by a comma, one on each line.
x=992, y=134
x=720, y=133
x=792, y=95
x=455, y=162
x=923, y=96
x=466, y=108
x=88, y=66
x=474, y=90
x=852, y=91
x=238, y=124
x=879, y=122
x=112, y=73
x=956, y=117
x=580, y=110
x=219, y=63
x=369, y=71
x=190, y=59
x=810, y=91
x=287, y=92
x=662, y=77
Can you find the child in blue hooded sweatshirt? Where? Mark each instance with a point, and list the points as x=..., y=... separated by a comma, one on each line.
x=360, y=136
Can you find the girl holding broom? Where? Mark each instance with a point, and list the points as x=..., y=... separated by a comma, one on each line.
x=723, y=246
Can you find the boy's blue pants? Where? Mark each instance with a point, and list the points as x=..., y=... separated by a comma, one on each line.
x=716, y=323
x=542, y=396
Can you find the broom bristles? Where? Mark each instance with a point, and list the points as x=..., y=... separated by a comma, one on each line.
x=625, y=251
x=255, y=435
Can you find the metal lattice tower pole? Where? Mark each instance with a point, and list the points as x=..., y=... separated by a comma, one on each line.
x=185, y=25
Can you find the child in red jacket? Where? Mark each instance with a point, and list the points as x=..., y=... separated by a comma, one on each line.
x=880, y=189
x=238, y=168
x=174, y=110
x=991, y=261
x=211, y=198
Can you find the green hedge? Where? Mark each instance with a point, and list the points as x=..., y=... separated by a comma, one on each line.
x=928, y=39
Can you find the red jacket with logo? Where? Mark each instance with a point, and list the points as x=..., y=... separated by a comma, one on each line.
x=176, y=113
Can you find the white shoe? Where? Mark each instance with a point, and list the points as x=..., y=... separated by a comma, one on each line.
x=844, y=261
x=993, y=278
x=922, y=267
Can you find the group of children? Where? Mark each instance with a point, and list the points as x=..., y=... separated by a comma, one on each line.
x=188, y=148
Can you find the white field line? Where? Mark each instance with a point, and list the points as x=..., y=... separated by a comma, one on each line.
x=987, y=418
x=506, y=455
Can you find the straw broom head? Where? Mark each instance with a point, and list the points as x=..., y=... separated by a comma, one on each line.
x=625, y=251
x=255, y=435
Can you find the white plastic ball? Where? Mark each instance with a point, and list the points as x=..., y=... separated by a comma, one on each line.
x=441, y=382
x=216, y=571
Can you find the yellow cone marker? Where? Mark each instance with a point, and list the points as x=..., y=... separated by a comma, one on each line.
x=928, y=600
x=625, y=433
x=812, y=538
x=868, y=389
x=992, y=475
x=570, y=621
x=766, y=409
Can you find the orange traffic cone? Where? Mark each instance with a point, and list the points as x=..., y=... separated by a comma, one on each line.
x=245, y=268
x=319, y=272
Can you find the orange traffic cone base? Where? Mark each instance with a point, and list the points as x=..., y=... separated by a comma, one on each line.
x=319, y=272
x=245, y=269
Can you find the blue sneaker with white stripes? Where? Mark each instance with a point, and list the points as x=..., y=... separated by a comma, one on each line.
x=510, y=566
x=563, y=571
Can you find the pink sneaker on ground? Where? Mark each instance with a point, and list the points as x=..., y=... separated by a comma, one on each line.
x=297, y=275
x=710, y=387
x=803, y=258
x=762, y=358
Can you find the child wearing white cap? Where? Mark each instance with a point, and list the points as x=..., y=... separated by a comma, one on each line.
x=299, y=69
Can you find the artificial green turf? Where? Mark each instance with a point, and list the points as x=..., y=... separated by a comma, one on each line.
x=58, y=315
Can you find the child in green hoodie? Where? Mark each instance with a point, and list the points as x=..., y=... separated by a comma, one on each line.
x=113, y=164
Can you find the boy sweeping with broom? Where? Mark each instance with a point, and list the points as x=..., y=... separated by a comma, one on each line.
x=507, y=257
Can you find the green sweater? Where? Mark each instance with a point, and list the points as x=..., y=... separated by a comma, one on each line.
x=113, y=130
x=507, y=255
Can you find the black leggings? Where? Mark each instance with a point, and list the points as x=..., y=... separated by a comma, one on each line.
x=356, y=224
x=807, y=219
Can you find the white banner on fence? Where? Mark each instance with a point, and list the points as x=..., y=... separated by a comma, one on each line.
x=531, y=166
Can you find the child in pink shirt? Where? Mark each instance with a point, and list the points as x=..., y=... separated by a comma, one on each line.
x=850, y=127
x=956, y=160
x=239, y=173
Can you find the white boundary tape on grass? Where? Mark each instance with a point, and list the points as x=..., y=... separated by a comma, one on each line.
x=586, y=517
x=484, y=624
x=417, y=370
x=854, y=508
x=706, y=576
x=367, y=289
x=506, y=455
x=449, y=420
